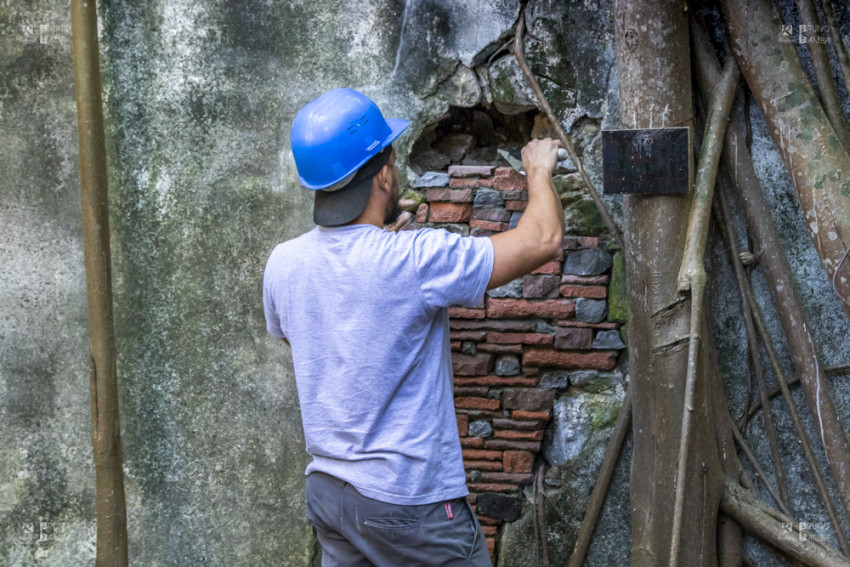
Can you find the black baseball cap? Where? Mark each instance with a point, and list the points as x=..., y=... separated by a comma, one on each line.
x=343, y=202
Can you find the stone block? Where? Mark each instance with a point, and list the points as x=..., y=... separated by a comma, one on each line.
x=488, y=198
x=471, y=442
x=480, y=428
x=522, y=414
x=462, y=229
x=573, y=338
x=588, y=262
x=510, y=289
x=432, y=179
x=467, y=313
x=450, y=212
x=449, y=195
x=481, y=455
x=590, y=310
x=515, y=216
x=584, y=280
x=422, y=213
x=469, y=336
x=507, y=365
x=491, y=214
x=518, y=461
x=472, y=365
x=490, y=325
x=529, y=399
x=496, y=381
x=513, y=478
x=516, y=205
x=506, y=507
x=555, y=379
x=608, y=339
x=471, y=171
x=483, y=465
x=500, y=349
x=468, y=347
x=598, y=360
x=499, y=308
x=520, y=435
x=512, y=445
x=507, y=178
x=518, y=425
x=540, y=286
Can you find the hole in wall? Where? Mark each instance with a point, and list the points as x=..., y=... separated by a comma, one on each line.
x=471, y=136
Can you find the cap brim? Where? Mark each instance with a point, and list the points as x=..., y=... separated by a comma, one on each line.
x=343, y=206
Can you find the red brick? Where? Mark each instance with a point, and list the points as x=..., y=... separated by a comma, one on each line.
x=573, y=338
x=497, y=381
x=481, y=454
x=518, y=461
x=506, y=178
x=516, y=424
x=515, y=195
x=590, y=291
x=472, y=364
x=477, y=336
x=462, y=425
x=584, y=280
x=569, y=244
x=491, y=548
x=516, y=205
x=518, y=478
x=602, y=360
x=454, y=182
x=483, y=465
x=588, y=242
x=488, y=225
x=522, y=338
x=522, y=414
x=455, y=345
x=491, y=487
x=458, y=325
x=491, y=214
x=477, y=403
x=422, y=213
x=449, y=195
x=512, y=445
x=603, y=325
x=487, y=521
x=471, y=170
x=553, y=267
x=549, y=308
x=472, y=442
x=528, y=399
x=490, y=530
x=451, y=212
x=467, y=313
x=501, y=349
x=519, y=435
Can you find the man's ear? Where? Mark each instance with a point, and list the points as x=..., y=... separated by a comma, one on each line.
x=384, y=178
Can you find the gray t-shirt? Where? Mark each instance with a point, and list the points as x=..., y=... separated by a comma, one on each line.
x=365, y=311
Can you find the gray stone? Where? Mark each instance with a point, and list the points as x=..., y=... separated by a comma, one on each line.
x=480, y=429
x=433, y=179
x=541, y=326
x=540, y=286
x=575, y=416
x=488, y=198
x=509, y=88
x=608, y=339
x=511, y=289
x=582, y=378
x=462, y=89
x=468, y=347
x=430, y=159
x=454, y=146
x=591, y=310
x=555, y=379
x=588, y=262
x=514, y=219
x=507, y=365
x=457, y=228
x=503, y=506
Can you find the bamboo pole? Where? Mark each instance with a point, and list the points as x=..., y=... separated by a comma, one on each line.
x=106, y=438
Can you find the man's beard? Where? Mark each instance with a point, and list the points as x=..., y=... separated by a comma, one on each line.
x=393, y=213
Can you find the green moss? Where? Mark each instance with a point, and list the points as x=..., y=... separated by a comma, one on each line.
x=618, y=293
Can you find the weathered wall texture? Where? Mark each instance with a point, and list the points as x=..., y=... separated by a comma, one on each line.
x=199, y=98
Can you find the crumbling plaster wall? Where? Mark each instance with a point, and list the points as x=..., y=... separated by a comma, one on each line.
x=199, y=98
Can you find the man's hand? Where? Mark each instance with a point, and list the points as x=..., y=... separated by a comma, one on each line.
x=403, y=220
x=540, y=155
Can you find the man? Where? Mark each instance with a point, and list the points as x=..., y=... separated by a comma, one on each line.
x=365, y=312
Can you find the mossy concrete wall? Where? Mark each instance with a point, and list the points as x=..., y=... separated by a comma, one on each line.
x=199, y=97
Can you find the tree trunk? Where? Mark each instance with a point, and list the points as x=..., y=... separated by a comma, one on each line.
x=813, y=153
x=655, y=91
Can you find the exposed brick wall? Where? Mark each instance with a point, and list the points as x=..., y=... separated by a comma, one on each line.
x=552, y=319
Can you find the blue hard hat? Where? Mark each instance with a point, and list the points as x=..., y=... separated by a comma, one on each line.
x=335, y=134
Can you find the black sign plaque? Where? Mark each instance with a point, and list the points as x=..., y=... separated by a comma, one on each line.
x=648, y=162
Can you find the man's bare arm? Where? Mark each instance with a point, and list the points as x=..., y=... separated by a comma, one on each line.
x=539, y=232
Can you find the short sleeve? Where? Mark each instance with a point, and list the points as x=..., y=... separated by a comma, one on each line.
x=273, y=320
x=452, y=269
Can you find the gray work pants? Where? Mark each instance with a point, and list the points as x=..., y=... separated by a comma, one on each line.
x=358, y=531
